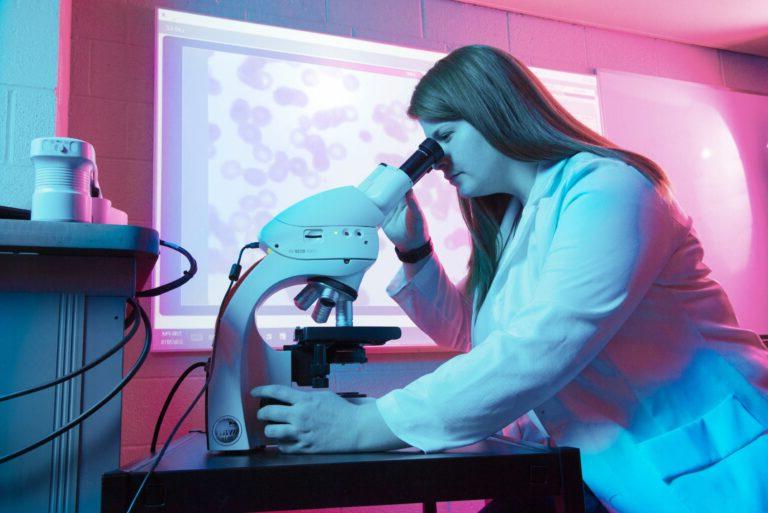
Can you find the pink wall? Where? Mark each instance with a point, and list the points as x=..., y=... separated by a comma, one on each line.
x=111, y=103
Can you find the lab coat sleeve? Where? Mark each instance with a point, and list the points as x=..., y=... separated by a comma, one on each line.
x=437, y=306
x=613, y=236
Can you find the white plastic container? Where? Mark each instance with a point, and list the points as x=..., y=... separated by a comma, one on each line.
x=63, y=172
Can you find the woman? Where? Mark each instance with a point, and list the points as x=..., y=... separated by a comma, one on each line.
x=586, y=302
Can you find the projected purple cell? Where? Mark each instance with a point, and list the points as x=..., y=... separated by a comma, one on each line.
x=393, y=120
x=239, y=111
x=426, y=198
x=267, y=199
x=314, y=143
x=310, y=77
x=351, y=82
x=251, y=73
x=214, y=132
x=249, y=133
x=311, y=180
x=277, y=173
x=249, y=202
x=230, y=169
x=261, y=153
x=261, y=115
x=457, y=239
x=298, y=166
x=218, y=229
x=336, y=151
x=321, y=162
x=259, y=219
x=365, y=136
x=396, y=131
x=255, y=176
x=290, y=96
x=239, y=221
x=218, y=262
x=214, y=86
x=441, y=207
x=378, y=113
x=322, y=119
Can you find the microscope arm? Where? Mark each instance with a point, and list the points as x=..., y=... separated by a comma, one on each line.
x=331, y=235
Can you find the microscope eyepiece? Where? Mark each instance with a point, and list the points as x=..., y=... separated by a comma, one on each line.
x=422, y=160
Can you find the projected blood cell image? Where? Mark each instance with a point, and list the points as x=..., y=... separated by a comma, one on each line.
x=285, y=130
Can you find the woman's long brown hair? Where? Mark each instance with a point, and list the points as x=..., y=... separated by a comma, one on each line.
x=501, y=98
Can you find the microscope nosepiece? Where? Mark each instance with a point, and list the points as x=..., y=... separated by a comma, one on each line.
x=328, y=299
x=307, y=296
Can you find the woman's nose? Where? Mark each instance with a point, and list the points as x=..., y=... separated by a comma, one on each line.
x=444, y=164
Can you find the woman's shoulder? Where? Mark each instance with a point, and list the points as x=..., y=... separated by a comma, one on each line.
x=614, y=179
x=587, y=171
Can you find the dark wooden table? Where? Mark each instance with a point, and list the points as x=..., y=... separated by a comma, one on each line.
x=190, y=479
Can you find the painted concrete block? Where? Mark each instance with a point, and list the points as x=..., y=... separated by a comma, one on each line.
x=310, y=10
x=607, y=49
x=101, y=123
x=232, y=9
x=31, y=31
x=104, y=20
x=308, y=25
x=143, y=400
x=400, y=40
x=122, y=72
x=688, y=62
x=548, y=43
x=31, y=115
x=140, y=23
x=462, y=24
x=80, y=67
x=745, y=72
x=136, y=201
x=139, y=131
x=402, y=17
x=17, y=183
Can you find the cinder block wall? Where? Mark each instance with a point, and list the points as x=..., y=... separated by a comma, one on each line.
x=29, y=57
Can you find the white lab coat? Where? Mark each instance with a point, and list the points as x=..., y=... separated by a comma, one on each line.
x=604, y=321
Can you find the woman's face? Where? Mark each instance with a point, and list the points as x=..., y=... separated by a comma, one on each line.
x=475, y=167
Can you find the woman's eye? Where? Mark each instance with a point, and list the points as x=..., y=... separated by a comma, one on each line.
x=446, y=136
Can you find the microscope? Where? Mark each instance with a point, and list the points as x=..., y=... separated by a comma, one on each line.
x=326, y=242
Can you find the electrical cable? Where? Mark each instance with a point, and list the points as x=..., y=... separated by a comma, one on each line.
x=126, y=338
x=178, y=282
x=234, y=276
x=90, y=411
x=167, y=403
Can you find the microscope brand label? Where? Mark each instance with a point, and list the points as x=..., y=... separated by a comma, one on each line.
x=226, y=431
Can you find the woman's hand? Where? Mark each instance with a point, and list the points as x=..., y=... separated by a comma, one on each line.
x=315, y=422
x=405, y=225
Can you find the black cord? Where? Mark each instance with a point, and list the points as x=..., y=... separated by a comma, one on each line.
x=178, y=282
x=234, y=275
x=90, y=411
x=126, y=338
x=167, y=403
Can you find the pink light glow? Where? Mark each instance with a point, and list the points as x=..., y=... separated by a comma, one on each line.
x=711, y=143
